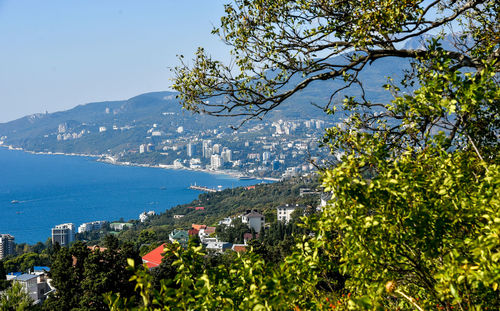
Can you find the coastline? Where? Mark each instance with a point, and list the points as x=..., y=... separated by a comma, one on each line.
x=110, y=160
x=40, y=230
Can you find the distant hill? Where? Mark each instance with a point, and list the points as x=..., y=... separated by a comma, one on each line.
x=135, y=116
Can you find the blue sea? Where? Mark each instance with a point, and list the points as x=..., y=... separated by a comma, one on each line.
x=55, y=189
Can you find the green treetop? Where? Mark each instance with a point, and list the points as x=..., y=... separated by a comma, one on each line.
x=413, y=218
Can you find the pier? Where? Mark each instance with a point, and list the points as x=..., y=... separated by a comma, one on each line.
x=202, y=188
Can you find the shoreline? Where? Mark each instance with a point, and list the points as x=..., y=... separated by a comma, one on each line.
x=103, y=158
x=176, y=167
x=110, y=160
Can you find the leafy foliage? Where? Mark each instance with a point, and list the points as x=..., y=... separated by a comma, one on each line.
x=413, y=220
x=15, y=298
x=82, y=277
x=4, y=284
x=282, y=48
x=249, y=283
x=424, y=225
x=26, y=261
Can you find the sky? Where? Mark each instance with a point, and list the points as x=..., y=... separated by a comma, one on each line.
x=57, y=54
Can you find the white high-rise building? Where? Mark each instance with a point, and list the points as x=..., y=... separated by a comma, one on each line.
x=190, y=149
x=63, y=234
x=320, y=124
x=266, y=155
x=215, y=161
x=206, y=150
x=216, y=148
x=279, y=131
x=227, y=155
x=6, y=245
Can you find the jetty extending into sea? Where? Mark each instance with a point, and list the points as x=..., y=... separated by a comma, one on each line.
x=202, y=188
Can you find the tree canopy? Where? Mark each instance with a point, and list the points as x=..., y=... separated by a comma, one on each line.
x=273, y=42
x=15, y=298
x=413, y=218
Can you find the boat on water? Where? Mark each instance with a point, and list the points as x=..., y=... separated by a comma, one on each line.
x=14, y=201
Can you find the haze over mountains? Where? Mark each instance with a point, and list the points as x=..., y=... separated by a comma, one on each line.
x=38, y=132
x=131, y=118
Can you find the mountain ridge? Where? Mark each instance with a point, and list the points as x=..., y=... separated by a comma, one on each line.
x=136, y=115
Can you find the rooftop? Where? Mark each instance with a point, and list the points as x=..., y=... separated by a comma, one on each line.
x=198, y=227
x=25, y=277
x=179, y=234
x=239, y=248
x=253, y=214
x=210, y=230
x=41, y=268
x=154, y=257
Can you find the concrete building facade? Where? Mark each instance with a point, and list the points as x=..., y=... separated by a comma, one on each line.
x=254, y=220
x=284, y=212
x=63, y=234
x=89, y=226
x=6, y=245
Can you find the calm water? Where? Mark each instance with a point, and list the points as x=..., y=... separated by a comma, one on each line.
x=55, y=189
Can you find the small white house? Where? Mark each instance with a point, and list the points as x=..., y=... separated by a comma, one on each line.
x=254, y=220
x=218, y=246
x=119, y=226
x=284, y=212
x=205, y=233
x=226, y=221
x=29, y=284
x=143, y=216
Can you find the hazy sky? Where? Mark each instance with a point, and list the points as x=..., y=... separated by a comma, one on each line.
x=56, y=54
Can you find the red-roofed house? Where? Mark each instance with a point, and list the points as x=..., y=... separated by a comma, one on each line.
x=192, y=232
x=154, y=257
x=199, y=208
x=210, y=230
x=198, y=227
x=239, y=248
x=206, y=232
